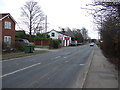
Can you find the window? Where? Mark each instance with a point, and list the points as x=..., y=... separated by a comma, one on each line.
x=53, y=35
x=7, y=25
x=7, y=40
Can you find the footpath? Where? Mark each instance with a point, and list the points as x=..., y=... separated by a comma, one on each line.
x=102, y=73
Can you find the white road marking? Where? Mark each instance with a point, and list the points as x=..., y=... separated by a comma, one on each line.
x=82, y=64
x=8, y=60
x=47, y=74
x=14, y=59
x=57, y=56
x=64, y=57
x=19, y=70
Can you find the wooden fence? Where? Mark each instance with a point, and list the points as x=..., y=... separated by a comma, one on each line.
x=41, y=43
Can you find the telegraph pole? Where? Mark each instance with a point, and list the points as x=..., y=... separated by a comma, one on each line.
x=46, y=23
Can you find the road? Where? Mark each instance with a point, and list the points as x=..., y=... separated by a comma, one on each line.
x=56, y=69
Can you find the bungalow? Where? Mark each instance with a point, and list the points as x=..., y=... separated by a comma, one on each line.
x=8, y=30
x=66, y=40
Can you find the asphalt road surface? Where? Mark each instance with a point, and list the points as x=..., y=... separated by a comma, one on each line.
x=56, y=69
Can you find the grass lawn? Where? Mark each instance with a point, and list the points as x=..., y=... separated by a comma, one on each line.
x=15, y=55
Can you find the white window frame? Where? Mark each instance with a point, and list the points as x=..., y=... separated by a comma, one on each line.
x=7, y=41
x=7, y=25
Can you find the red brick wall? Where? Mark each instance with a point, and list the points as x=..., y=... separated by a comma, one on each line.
x=8, y=32
x=41, y=43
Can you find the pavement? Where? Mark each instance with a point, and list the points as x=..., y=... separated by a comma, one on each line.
x=102, y=73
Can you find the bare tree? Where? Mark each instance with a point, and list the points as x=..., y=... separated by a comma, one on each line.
x=32, y=16
x=107, y=16
x=101, y=10
x=84, y=33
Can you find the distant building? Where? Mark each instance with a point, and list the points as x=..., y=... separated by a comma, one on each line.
x=8, y=30
x=66, y=40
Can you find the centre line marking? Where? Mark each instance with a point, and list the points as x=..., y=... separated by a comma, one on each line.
x=57, y=56
x=19, y=70
x=82, y=64
x=66, y=61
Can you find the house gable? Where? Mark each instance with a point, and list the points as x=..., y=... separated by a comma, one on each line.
x=6, y=15
x=66, y=40
x=53, y=34
x=57, y=34
x=8, y=29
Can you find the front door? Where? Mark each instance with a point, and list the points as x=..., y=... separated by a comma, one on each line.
x=7, y=41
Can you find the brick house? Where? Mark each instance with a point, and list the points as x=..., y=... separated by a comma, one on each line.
x=7, y=24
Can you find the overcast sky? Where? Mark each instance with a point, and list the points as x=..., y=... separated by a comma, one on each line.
x=60, y=13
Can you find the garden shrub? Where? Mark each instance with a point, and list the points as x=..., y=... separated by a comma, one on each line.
x=55, y=43
x=19, y=46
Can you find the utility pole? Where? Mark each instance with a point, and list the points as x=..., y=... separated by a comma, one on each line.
x=46, y=23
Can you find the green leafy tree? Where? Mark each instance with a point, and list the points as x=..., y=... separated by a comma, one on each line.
x=21, y=34
x=42, y=36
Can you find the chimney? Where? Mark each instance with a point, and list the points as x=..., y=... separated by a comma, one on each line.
x=63, y=30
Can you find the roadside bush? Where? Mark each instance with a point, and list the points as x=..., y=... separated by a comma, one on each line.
x=110, y=35
x=55, y=43
x=6, y=49
x=19, y=46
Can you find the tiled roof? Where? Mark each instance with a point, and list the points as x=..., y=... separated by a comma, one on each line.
x=59, y=32
x=4, y=15
x=63, y=33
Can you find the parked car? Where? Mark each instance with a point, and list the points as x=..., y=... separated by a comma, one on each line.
x=73, y=44
x=79, y=43
x=91, y=44
x=23, y=41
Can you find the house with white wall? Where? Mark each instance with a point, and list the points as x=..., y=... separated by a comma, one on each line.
x=66, y=40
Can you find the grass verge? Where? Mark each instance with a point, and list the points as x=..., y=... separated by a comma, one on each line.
x=9, y=56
